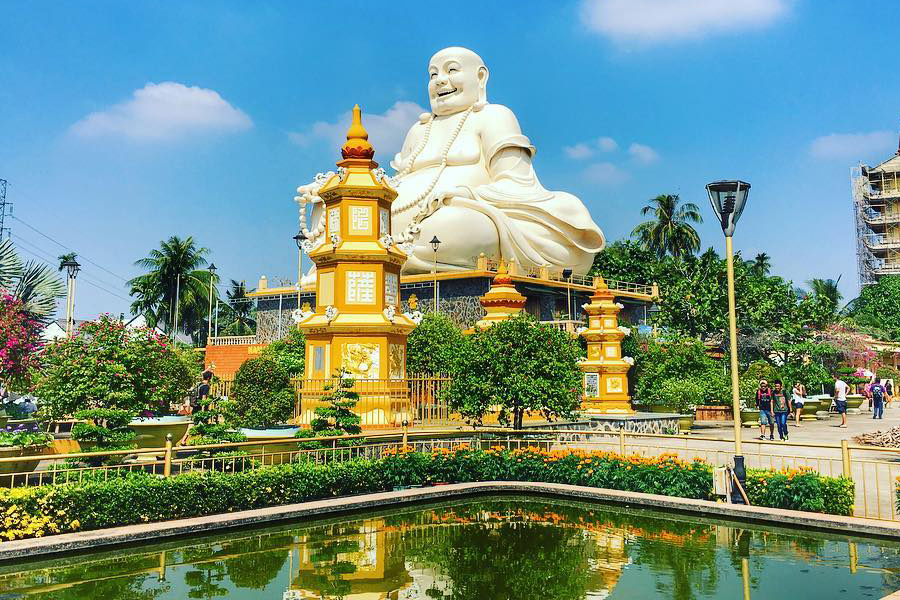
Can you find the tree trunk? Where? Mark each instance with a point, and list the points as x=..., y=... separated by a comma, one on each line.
x=517, y=419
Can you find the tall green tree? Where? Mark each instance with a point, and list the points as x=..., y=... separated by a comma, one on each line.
x=827, y=291
x=519, y=365
x=761, y=265
x=241, y=312
x=176, y=281
x=878, y=306
x=34, y=284
x=671, y=230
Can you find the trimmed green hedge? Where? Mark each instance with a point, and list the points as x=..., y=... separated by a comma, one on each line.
x=801, y=489
x=139, y=498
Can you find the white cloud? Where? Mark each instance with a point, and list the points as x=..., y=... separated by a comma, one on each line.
x=643, y=154
x=852, y=145
x=162, y=111
x=607, y=144
x=650, y=21
x=583, y=150
x=578, y=151
x=386, y=131
x=605, y=173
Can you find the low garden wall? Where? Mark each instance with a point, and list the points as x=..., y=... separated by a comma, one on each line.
x=140, y=498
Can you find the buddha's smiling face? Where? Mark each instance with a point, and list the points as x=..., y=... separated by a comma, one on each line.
x=457, y=80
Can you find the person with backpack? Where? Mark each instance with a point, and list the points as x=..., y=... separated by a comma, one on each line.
x=764, y=405
x=781, y=408
x=201, y=400
x=877, y=400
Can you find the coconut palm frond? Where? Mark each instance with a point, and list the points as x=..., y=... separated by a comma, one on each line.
x=38, y=288
x=10, y=265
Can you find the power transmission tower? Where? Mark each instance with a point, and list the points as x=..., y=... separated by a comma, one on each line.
x=4, y=211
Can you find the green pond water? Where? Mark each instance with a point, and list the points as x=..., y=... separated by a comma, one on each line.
x=480, y=549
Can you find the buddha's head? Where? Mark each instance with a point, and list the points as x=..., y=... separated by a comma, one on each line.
x=457, y=79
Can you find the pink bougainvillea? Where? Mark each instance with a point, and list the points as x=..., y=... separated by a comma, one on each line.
x=20, y=342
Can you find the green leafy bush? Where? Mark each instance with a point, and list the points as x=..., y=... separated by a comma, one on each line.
x=336, y=417
x=105, y=429
x=289, y=352
x=433, y=345
x=682, y=395
x=25, y=438
x=263, y=394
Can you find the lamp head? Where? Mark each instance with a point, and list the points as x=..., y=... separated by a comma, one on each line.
x=299, y=238
x=72, y=267
x=566, y=273
x=212, y=269
x=728, y=199
x=435, y=243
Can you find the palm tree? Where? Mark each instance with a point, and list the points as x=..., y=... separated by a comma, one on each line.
x=34, y=284
x=827, y=289
x=175, y=283
x=241, y=310
x=670, y=232
x=761, y=265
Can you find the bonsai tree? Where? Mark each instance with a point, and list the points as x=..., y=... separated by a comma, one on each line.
x=517, y=365
x=262, y=393
x=433, y=345
x=106, y=365
x=336, y=417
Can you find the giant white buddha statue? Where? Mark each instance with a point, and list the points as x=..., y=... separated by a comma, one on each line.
x=465, y=175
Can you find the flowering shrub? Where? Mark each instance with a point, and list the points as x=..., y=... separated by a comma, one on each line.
x=139, y=497
x=20, y=340
x=106, y=365
x=800, y=489
x=24, y=436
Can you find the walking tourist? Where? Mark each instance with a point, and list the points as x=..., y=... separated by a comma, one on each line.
x=781, y=407
x=888, y=390
x=764, y=405
x=877, y=392
x=201, y=401
x=798, y=398
x=840, y=398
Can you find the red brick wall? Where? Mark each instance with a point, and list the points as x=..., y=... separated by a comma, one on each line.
x=228, y=358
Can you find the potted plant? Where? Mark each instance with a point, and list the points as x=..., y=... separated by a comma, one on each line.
x=263, y=402
x=23, y=440
x=103, y=429
x=681, y=396
x=335, y=416
x=749, y=412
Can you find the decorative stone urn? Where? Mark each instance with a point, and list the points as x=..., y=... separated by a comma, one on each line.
x=854, y=401
x=810, y=407
x=749, y=417
x=24, y=466
x=151, y=432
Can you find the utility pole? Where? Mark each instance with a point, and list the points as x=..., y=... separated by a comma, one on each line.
x=5, y=209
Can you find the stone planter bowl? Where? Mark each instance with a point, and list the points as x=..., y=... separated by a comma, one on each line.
x=151, y=432
x=810, y=407
x=266, y=435
x=749, y=418
x=685, y=422
x=855, y=400
x=24, y=466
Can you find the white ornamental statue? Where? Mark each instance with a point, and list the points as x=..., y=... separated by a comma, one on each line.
x=465, y=175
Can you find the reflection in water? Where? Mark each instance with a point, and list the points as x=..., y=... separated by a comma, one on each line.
x=477, y=550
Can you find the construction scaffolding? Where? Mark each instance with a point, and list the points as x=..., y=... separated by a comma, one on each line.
x=876, y=207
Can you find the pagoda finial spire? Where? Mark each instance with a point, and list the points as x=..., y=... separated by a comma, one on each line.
x=357, y=144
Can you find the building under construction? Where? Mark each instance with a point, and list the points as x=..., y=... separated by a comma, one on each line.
x=876, y=203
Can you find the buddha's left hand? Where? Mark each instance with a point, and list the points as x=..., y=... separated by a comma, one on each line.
x=456, y=192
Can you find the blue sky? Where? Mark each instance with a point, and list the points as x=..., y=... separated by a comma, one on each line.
x=125, y=123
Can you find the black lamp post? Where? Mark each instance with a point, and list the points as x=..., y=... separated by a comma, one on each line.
x=728, y=199
x=435, y=244
x=299, y=239
x=72, y=268
x=567, y=275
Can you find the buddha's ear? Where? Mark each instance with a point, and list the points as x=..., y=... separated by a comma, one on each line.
x=483, y=75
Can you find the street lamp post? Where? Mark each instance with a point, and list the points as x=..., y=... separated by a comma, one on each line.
x=728, y=199
x=435, y=244
x=72, y=268
x=212, y=283
x=567, y=275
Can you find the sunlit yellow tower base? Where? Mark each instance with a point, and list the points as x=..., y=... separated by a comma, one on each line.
x=605, y=371
x=358, y=325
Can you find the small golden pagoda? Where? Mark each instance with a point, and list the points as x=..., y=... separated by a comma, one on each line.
x=503, y=301
x=357, y=324
x=605, y=370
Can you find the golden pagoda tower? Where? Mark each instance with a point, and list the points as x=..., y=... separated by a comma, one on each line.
x=605, y=371
x=357, y=324
x=503, y=301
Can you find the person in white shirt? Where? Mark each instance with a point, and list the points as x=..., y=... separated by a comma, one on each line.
x=840, y=398
x=798, y=398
